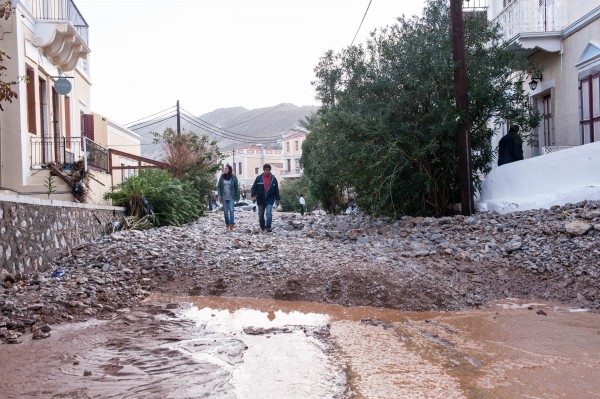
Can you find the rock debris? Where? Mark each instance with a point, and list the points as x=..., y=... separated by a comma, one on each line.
x=415, y=263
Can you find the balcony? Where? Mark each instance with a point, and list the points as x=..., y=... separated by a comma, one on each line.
x=66, y=151
x=60, y=31
x=294, y=172
x=475, y=6
x=531, y=25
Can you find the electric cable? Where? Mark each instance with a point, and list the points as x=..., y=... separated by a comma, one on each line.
x=225, y=135
x=202, y=121
x=149, y=116
x=152, y=123
x=257, y=116
x=361, y=22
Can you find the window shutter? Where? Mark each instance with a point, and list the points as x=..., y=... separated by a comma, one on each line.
x=87, y=129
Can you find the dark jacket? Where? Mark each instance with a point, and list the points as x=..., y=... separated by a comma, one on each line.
x=235, y=189
x=510, y=149
x=258, y=191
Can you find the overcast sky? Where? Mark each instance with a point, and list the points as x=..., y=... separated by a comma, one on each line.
x=147, y=54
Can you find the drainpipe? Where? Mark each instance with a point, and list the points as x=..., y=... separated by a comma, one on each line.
x=85, y=165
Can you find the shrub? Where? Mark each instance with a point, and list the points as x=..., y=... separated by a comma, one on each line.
x=290, y=192
x=175, y=202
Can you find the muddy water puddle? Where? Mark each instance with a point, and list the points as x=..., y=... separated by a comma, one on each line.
x=255, y=349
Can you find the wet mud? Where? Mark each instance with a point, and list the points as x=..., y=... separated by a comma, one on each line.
x=172, y=347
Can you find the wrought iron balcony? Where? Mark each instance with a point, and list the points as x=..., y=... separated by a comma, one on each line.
x=66, y=151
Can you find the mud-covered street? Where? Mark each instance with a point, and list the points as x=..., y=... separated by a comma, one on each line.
x=133, y=291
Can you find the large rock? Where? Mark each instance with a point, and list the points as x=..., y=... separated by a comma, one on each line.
x=577, y=227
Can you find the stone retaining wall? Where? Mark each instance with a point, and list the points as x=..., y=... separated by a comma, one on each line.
x=34, y=231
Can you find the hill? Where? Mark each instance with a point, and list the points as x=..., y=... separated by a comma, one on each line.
x=230, y=127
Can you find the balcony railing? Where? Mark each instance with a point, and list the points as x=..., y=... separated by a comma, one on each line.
x=97, y=156
x=530, y=16
x=475, y=5
x=551, y=149
x=59, y=10
x=66, y=151
x=291, y=173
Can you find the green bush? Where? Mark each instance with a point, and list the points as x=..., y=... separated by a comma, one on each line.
x=290, y=193
x=175, y=202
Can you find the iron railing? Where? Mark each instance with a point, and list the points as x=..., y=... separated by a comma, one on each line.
x=475, y=5
x=45, y=150
x=97, y=156
x=59, y=10
x=551, y=149
x=66, y=151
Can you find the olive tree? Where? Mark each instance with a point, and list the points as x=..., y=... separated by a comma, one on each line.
x=388, y=124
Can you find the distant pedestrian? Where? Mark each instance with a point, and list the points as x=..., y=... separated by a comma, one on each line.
x=510, y=147
x=265, y=191
x=229, y=192
x=302, y=204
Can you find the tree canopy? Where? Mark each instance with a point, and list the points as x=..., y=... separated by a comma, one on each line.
x=387, y=127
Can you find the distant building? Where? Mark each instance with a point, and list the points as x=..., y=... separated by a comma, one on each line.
x=291, y=153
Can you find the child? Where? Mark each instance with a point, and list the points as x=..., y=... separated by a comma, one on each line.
x=302, y=204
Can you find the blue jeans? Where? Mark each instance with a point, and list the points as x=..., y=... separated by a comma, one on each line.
x=261, y=216
x=228, y=211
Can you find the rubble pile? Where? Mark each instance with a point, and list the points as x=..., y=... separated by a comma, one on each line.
x=413, y=263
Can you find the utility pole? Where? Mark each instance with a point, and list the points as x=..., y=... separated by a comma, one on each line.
x=462, y=105
x=233, y=161
x=178, y=120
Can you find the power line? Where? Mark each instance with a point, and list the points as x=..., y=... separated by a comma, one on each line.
x=152, y=123
x=223, y=134
x=149, y=116
x=257, y=116
x=361, y=22
x=203, y=122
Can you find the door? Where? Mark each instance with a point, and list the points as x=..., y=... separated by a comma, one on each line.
x=589, y=90
x=548, y=122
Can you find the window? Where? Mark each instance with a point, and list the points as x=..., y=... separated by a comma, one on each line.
x=589, y=90
x=289, y=165
x=31, y=127
x=297, y=145
x=239, y=168
x=256, y=171
x=287, y=146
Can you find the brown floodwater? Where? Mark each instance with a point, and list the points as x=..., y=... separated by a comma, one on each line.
x=255, y=349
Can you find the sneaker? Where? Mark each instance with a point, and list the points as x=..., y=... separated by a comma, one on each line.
x=269, y=229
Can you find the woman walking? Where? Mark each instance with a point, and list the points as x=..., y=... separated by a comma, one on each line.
x=229, y=192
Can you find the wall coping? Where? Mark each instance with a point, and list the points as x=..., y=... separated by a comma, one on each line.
x=23, y=199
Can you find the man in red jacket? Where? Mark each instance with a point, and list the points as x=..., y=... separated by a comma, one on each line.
x=265, y=191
